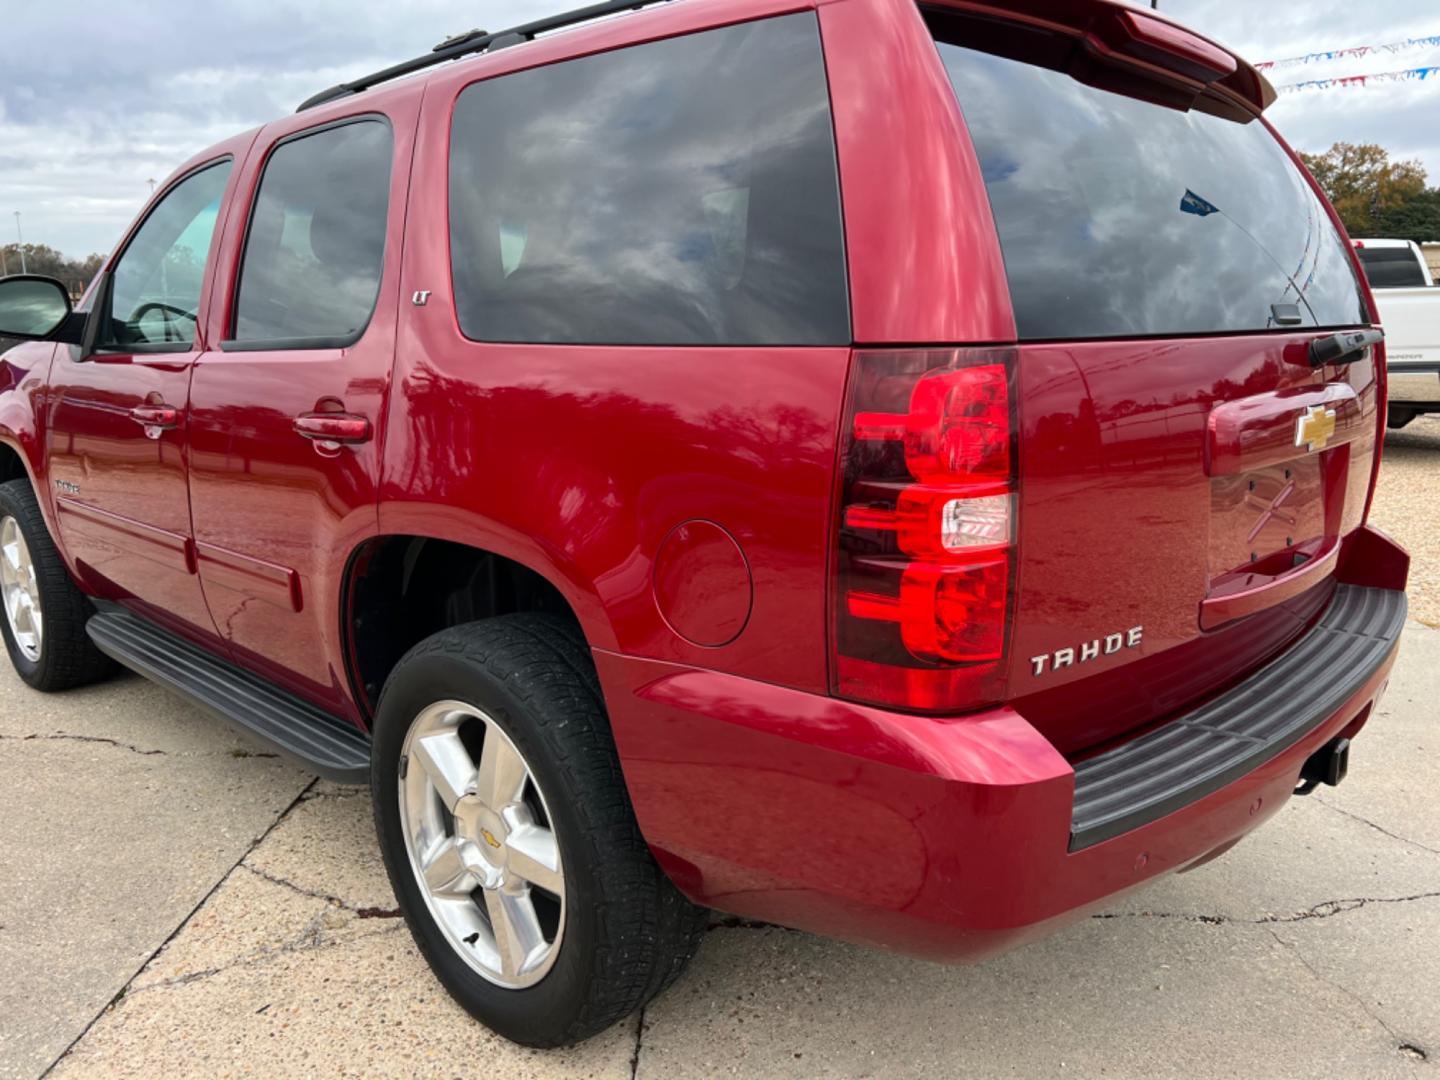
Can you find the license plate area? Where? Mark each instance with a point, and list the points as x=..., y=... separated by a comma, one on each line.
x=1264, y=522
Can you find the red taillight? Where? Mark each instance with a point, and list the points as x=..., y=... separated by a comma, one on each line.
x=927, y=526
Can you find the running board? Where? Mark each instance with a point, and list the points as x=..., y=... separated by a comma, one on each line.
x=313, y=739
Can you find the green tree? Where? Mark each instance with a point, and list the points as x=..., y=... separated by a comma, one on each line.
x=43, y=259
x=1364, y=184
x=1418, y=219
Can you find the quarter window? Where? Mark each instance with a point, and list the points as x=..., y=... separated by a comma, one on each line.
x=316, y=243
x=154, y=300
x=678, y=192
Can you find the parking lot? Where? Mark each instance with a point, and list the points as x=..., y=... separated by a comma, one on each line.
x=176, y=902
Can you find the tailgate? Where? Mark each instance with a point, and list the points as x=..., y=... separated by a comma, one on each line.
x=1185, y=475
x=1173, y=536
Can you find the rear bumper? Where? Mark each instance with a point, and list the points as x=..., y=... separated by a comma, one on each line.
x=1414, y=385
x=956, y=838
x=1255, y=721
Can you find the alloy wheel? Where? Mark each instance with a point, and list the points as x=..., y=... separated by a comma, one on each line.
x=481, y=844
x=20, y=591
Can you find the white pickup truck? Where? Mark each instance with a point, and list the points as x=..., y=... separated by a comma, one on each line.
x=1409, y=305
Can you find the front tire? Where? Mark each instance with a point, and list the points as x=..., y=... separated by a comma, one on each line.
x=509, y=838
x=42, y=613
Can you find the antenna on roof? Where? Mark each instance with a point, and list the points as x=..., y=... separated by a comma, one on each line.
x=474, y=41
x=458, y=39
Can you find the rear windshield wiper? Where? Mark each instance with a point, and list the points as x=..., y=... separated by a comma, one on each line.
x=1344, y=347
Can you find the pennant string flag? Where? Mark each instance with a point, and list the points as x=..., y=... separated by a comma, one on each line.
x=1358, y=50
x=1409, y=75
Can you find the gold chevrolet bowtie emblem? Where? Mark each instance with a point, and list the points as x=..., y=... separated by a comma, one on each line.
x=1314, y=428
x=490, y=838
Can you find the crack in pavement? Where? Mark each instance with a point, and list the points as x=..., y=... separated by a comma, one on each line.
x=307, y=941
x=310, y=938
x=65, y=736
x=61, y=735
x=359, y=911
x=1400, y=1043
x=276, y=879
x=1378, y=828
x=1182, y=916
x=1323, y=910
x=639, y=1038
x=124, y=989
x=352, y=792
x=1327, y=908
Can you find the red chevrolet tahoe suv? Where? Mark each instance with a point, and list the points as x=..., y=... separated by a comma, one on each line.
x=898, y=471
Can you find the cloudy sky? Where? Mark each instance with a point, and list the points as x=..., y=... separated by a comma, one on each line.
x=97, y=98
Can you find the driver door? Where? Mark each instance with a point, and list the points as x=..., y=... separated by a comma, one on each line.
x=116, y=432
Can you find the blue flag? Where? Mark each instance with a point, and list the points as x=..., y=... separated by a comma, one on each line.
x=1191, y=203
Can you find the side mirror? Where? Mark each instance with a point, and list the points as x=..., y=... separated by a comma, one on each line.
x=32, y=307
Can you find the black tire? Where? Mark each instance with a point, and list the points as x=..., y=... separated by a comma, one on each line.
x=1396, y=418
x=67, y=657
x=628, y=932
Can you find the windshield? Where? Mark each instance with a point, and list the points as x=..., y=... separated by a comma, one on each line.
x=1120, y=217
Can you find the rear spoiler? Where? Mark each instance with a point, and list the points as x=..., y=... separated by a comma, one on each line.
x=1141, y=41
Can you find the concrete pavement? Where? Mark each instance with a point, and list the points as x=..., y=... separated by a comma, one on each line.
x=123, y=809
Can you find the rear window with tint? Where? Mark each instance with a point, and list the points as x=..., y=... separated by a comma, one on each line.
x=673, y=193
x=1391, y=268
x=1119, y=217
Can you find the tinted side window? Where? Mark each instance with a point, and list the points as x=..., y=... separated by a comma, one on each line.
x=678, y=192
x=1118, y=216
x=155, y=291
x=316, y=244
x=1391, y=268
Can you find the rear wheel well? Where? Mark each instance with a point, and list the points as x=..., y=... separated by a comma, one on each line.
x=11, y=467
x=402, y=589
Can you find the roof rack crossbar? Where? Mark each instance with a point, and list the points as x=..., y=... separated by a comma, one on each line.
x=473, y=42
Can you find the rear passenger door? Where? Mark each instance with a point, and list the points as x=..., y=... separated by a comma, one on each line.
x=286, y=413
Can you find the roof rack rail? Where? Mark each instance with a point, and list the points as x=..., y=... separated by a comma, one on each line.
x=475, y=41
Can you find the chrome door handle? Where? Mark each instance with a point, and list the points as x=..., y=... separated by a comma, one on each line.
x=333, y=427
x=330, y=431
x=157, y=417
